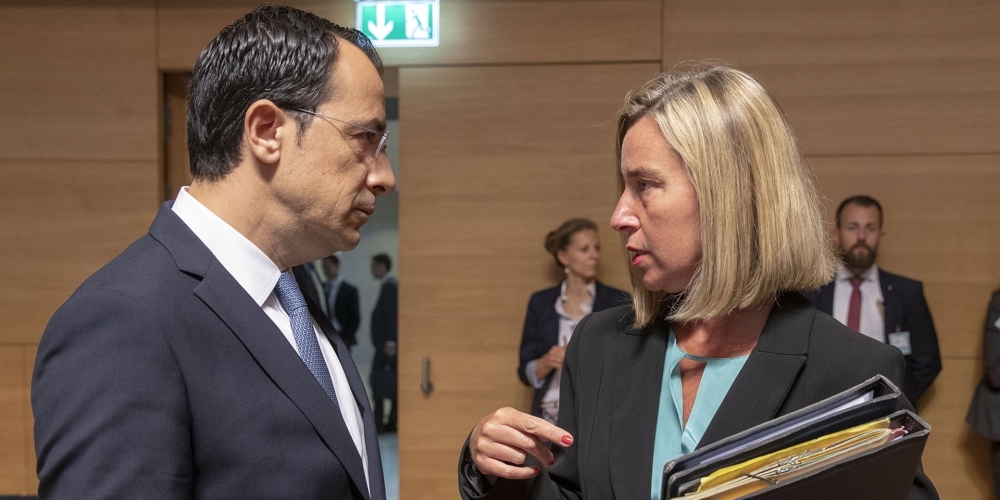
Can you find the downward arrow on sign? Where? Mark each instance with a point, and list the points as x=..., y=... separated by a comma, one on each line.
x=380, y=29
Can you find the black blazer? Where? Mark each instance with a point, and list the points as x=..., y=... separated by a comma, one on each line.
x=385, y=324
x=610, y=392
x=905, y=311
x=541, y=329
x=345, y=308
x=984, y=412
x=161, y=377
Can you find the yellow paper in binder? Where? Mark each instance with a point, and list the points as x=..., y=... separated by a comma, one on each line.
x=759, y=472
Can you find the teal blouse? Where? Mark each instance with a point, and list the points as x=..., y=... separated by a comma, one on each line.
x=674, y=439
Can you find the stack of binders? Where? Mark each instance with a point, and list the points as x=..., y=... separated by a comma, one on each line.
x=852, y=445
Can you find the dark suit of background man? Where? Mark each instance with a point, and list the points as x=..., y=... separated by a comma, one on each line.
x=884, y=306
x=190, y=366
x=984, y=412
x=384, y=333
x=311, y=285
x=341, y=298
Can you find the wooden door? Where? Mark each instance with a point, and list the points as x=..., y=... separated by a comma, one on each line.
x=492, y=158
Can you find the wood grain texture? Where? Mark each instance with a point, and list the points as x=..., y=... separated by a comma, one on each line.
x=942, y=227
x=61, y=222
x=529, y=31
x=184, y=27
x=13, y=412
x=79, y=81
x=493, y=159
x=859, y=77
x=176, y=166
x=473, y=32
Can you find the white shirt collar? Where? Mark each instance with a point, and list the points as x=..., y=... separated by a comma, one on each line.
x=251, y=268
x=844, y=275
x=591, y=288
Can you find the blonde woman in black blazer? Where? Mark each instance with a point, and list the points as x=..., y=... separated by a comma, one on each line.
x=722, y=226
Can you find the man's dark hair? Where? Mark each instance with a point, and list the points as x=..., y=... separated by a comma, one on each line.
x=383, y=259
x=278, y=53
x=862, y=200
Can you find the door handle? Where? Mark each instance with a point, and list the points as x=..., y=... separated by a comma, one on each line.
x=426, y=386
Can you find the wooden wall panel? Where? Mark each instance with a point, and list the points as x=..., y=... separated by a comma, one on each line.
x=942, y=227
x=859, y=77
x=78, y=81
x=13, y=415
x=61, y=222
x=473, y=32
x=493, y=158
x=184, y=27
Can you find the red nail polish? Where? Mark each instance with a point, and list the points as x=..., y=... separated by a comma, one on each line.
x=537, y=470
x=553, y=462
x=567, y=440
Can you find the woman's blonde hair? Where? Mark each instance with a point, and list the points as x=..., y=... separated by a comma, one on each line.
x=761, y=226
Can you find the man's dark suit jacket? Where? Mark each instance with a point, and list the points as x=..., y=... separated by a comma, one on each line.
x=385, y=324
x=346, y=309
x=541, y=330
x=905, y=311
x=162, y=378
x=984, y=412
x=610, y=393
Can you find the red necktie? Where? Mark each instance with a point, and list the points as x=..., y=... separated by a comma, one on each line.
x=854, y=310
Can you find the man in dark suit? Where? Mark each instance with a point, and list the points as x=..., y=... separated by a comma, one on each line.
x=191, y=366
x=341, y=298
x=887, y=307
x=384, y=332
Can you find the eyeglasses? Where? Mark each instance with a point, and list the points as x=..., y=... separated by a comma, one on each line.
x=371, y=140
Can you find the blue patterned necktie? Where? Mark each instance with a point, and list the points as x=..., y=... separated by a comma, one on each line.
x=291, y=299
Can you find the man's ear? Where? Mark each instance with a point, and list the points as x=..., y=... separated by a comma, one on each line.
x=265, y=128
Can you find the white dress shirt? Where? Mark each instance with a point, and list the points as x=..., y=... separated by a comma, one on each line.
x=872, y=303
x=258, y=275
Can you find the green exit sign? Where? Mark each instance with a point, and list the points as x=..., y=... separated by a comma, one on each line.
x=401, y=23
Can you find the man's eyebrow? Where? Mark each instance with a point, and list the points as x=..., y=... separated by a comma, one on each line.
x=376, y=124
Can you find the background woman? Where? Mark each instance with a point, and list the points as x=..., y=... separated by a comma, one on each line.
x=554, y=312
x=722, y=226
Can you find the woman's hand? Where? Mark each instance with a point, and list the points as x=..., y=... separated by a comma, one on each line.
x=502, y=441
x=550, y=361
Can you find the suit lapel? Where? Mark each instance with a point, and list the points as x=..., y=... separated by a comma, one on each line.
x=760, y=388
x=638, y=372
x=220, y=292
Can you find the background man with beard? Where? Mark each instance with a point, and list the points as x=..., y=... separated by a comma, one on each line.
x=887, y=307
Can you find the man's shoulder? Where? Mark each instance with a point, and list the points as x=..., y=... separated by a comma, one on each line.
x=136, y=268
x=898, y=279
